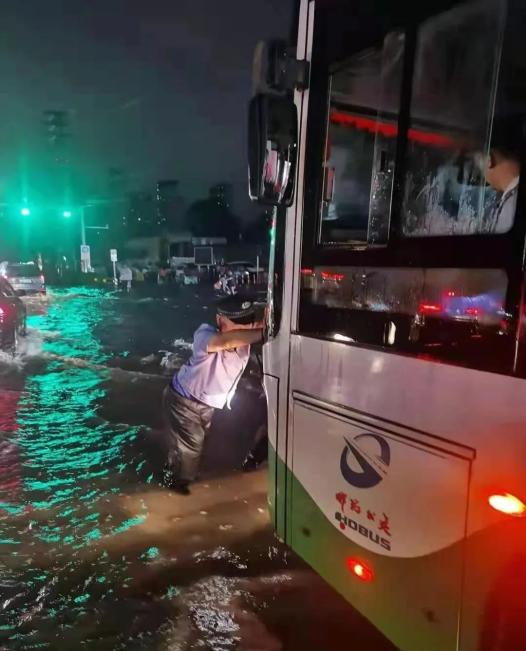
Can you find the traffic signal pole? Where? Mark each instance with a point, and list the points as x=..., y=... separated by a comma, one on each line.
x=82, y=226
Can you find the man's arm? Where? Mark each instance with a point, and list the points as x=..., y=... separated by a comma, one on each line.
x=234, y=339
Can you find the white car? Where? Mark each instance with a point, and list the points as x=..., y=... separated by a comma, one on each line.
x=25, y=278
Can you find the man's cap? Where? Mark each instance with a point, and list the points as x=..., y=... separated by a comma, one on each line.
x=236, y=307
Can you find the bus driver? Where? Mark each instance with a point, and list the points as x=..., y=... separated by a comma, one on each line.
x=502, y=171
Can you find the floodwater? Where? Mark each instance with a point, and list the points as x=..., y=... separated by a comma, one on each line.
x=94, y=554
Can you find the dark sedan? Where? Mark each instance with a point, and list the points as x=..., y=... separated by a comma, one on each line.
x=12, y=316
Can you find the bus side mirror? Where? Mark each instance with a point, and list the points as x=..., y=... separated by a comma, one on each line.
x=272, y=149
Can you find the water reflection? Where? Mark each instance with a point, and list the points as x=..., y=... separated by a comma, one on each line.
x=91, y=548
x=61, y=461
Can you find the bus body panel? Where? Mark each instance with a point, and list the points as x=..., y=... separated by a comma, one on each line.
x=462, y=434
x=475, y=409
x=414, y=602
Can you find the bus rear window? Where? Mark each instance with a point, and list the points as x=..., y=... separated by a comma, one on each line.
x=23, y=271
x=475, y=295
x=454, y=315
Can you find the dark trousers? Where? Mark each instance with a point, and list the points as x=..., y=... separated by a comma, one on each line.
x=188, y=422
x=259, y=449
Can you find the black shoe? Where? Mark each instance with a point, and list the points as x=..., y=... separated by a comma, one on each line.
x=251, y=463
x=179, y=486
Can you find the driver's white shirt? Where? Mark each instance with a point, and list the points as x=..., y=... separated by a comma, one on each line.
x=505, y=210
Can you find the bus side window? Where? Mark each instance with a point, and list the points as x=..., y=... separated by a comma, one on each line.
x=450, y=189
x=360, y=146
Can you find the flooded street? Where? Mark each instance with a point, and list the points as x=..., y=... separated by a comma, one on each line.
x=95, y=554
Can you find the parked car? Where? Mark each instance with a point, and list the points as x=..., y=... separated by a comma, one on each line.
x=25, y=278
x=12, y=316
x=191, y=274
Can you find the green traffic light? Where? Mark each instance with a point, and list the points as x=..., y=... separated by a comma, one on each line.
x=66, y=213
x=25, y=212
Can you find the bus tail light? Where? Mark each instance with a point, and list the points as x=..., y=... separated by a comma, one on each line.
x=508, y=504
x=360, y=570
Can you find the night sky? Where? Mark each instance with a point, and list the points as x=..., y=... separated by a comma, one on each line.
x=156, y=87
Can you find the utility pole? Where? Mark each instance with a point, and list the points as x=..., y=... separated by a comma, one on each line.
x=82, y=226
x=57, y=134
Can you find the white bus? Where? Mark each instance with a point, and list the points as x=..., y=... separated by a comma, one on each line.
x=396, y=356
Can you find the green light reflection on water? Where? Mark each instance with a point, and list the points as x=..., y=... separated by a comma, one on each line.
x=151, y=553
x=11, y=509
x=70, y=456
x=129, y=523
x=172, y=592
x=93, y=535
x=81, y=598
x=70, y=462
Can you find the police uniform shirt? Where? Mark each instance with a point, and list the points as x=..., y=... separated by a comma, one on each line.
x=212, y=378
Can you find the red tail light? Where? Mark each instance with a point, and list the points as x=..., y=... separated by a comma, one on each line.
x=360, y=570
x=508, y=504
x=329, y=275
x=430, y=308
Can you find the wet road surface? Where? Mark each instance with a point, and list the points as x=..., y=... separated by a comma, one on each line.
x=94, y=554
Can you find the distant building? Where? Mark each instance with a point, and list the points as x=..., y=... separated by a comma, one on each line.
x=140, y=216
x=222, y=193
x=117, y=182
x=175, y=248
x=170, y=209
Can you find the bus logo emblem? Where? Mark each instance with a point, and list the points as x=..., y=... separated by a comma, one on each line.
x=368, y=469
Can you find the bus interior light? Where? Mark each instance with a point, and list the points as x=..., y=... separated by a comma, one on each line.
x=508, y=504
x=360, y=570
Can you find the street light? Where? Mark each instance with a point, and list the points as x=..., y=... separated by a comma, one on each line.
x=25, y=212
x=66, y=213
